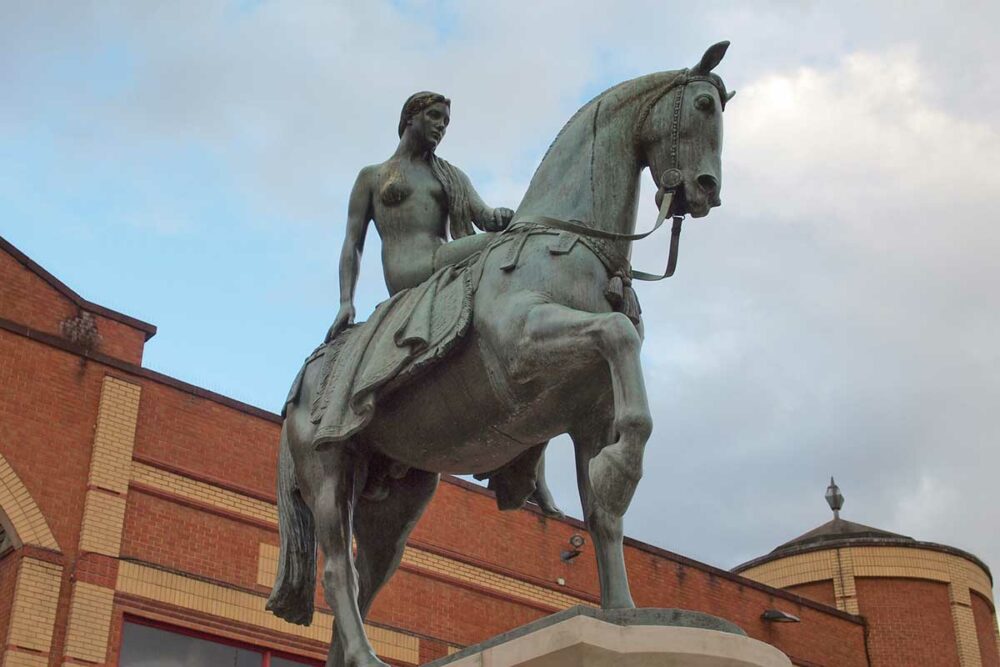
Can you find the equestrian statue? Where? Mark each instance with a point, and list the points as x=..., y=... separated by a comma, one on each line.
x=490, y=344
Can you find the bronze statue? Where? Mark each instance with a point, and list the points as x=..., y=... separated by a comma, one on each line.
x=417, y=199
x=532, y=333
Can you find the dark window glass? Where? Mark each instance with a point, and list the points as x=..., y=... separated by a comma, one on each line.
x=285, y=662
x=145, y=646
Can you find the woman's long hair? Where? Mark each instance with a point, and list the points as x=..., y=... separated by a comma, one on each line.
x=454, y=182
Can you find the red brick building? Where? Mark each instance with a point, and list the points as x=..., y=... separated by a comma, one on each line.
x=138, y=519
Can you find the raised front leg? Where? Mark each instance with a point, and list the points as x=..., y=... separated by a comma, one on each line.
x=556, y=337
x=333, y=508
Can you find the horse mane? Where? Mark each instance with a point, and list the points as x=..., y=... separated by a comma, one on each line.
x=659, y=84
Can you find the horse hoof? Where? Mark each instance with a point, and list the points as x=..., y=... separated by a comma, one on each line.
x=547, y=504
x=613, y=479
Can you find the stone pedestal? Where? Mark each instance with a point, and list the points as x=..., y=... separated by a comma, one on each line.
x=585, y=637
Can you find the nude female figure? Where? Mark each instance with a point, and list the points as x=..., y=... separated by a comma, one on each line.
x=417, y=199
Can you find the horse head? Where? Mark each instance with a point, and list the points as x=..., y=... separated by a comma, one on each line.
x=680, y=137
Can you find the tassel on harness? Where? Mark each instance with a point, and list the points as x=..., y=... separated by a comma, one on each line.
x=622, y=296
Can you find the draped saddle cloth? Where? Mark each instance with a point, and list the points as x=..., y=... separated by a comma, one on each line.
x=405, y=335
x=412, y=331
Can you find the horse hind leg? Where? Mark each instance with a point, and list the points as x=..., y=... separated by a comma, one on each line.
x=555, y=336
x=334, y=499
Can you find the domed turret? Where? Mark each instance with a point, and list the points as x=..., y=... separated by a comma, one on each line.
x=925, y=603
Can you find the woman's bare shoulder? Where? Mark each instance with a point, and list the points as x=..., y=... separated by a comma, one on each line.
x=370, y=172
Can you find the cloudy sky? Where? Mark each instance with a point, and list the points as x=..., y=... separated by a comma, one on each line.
x=188, y=163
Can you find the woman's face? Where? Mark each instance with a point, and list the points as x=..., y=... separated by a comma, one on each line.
x=431, y=123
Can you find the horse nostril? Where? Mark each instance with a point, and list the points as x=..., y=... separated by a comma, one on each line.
x=708, y=182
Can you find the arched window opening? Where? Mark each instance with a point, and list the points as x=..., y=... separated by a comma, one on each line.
x=6, y=543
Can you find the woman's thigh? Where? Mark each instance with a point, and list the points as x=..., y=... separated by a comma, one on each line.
x=457, y=250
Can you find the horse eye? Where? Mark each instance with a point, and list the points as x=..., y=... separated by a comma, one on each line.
x=704, y=103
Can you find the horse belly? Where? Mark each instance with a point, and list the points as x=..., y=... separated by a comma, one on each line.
x=451, y=419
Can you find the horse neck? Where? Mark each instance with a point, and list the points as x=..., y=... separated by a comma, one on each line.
x=591, y=171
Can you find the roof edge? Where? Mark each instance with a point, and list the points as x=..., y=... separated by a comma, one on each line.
x=148, y=329
x=660, y=552
x=864, y=542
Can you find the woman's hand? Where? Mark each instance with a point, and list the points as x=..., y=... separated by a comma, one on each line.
x=344, y=318
x=501, y=218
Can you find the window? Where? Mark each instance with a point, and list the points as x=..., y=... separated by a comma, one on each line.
x=148, y=646
x=284, y=662
x=6, y=544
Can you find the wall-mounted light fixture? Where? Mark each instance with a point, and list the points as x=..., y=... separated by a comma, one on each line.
x=576, y=541
x=778, y=616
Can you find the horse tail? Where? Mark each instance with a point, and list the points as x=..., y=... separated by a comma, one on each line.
x=295, y=585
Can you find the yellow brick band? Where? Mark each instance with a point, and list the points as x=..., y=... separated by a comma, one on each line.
x=89, y=622
x=965, y=633
x=844, y=590
x=103, y=518
x=26, y=519
x=454, y=569
x=110, y=467
x=33, y=612
x=873, y=561
x=114, y=437
x=204, y=492
x=267, y=564
x=15, y=658
x=243, y=607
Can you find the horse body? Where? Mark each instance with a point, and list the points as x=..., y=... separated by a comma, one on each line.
x=546, y=355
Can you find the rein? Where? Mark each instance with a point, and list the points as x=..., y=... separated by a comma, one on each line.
x=671, y=181
x=577, y=227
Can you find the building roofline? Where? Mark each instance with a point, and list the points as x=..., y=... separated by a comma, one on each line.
x=132, y=369
x=148, y=329
x=670, y=555
x=863, y=542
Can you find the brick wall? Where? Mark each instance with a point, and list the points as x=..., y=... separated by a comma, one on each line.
x=27, y=299
x=47, y=416
x=986, y=631
x=820, y=591
x=30, y=296
x=909, y=622
x=206, y=438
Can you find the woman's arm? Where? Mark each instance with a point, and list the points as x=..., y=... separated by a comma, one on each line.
x=359, y=214
x=486, y=218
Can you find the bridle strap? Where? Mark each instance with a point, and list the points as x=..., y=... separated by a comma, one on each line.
x=577, y=227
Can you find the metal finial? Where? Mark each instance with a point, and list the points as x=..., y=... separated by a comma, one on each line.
x=834, y=498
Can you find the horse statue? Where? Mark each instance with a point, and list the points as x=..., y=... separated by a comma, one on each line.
x=548, y=343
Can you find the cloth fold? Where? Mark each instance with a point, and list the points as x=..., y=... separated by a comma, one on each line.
x=405, y=335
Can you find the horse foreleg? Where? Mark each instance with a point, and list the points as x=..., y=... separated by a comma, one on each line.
x=555, y=336
x=382, y=528
x=333, y=506
x=605, y=528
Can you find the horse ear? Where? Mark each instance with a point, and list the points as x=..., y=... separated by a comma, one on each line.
x=712, y=57
x=730, y=95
